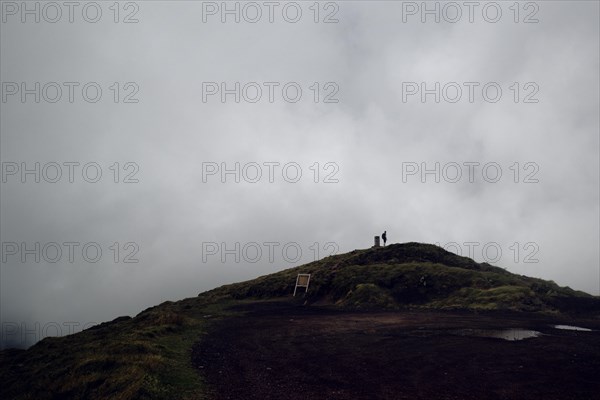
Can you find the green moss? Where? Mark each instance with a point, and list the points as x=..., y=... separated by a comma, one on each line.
x=147, y=357
x=368, y=295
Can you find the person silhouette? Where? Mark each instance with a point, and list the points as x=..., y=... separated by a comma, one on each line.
x=384, y=237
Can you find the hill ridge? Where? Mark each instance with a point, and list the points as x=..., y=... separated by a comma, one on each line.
x=411, y=274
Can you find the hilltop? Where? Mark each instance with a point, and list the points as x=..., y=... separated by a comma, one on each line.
x=412, y=275
x=150, y=355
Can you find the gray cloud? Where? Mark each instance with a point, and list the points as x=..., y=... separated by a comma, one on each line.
x=368, y=134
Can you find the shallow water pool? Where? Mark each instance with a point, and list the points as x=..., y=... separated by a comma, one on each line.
x=512, y=334
x=571, y=328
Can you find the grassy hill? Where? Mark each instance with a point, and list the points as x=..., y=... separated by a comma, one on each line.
x=148, y=356
x=413, y=275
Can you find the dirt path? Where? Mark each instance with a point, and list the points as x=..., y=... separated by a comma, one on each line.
x=278, y=351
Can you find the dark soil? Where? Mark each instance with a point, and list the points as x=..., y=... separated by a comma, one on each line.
x=278, y=351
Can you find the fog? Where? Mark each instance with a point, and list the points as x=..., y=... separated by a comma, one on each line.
x=176, y=150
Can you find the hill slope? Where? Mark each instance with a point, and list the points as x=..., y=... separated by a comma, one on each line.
x=416, y=275
x=148, y=356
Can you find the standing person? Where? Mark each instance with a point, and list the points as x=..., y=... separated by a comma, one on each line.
x=384, y=237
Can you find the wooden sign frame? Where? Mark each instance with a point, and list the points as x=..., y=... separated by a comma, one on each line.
x=302, y=280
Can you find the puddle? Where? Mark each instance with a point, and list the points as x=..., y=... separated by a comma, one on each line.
x=513, y=334
x=571, y=328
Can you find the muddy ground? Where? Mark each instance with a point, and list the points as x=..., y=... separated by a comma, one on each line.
x=279, y=351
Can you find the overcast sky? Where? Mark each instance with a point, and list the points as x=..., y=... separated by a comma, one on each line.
x=361, y=129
